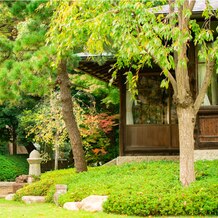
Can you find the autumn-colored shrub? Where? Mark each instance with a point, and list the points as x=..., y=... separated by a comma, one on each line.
x=95, y=131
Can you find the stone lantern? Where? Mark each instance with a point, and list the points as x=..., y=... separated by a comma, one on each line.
x=34, y=161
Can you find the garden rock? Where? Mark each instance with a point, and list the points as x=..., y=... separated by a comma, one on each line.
x=33, y=199
x=21, y=179
x=93, y=203
x=9, y=197
x=75, y=206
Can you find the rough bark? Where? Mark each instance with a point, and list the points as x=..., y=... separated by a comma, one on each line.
x=69, y=118
x=186, y=119
x=184, y=101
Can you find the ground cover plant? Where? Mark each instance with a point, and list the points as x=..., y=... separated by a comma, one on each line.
x=147, y=188
x=12, y=166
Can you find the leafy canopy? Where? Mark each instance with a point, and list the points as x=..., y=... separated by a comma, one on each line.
x=132, y=31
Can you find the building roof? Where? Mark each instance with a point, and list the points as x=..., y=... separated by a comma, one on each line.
x=199, y=6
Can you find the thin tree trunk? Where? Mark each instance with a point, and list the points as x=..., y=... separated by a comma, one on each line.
x=186, y=118
x=69, y=118
x=56, y=152
x=14, y=140
x=56, y=157
x=184, y=100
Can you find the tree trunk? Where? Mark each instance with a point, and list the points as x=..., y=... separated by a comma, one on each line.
x=69, y=118
x=56, y=146
x=186, y=119
x=14, y=140
x=56, y=157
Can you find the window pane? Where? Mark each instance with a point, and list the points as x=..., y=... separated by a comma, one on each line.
x=152, y=104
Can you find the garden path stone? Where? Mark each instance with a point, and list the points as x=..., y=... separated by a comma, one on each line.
x=33, y=199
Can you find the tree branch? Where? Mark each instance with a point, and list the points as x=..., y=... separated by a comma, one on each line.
x=171, y=6
x=192, y=4
x=169, y=75
x=209, y=71
x=172, y=81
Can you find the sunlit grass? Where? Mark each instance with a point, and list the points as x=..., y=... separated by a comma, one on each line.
x=11, y=209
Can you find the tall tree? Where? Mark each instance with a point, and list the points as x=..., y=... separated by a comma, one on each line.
x=137, y=34
x=69, y=118
x=27, y=66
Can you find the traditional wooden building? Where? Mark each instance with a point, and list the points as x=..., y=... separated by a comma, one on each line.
x=149, y=125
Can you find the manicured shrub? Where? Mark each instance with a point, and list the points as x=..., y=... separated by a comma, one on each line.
x=147, y=188
x=12, y=166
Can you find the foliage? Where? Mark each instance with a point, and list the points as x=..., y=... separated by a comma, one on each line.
x=95, y=131
x=9, y=122
x=12, y=166
x=90, y=91
x=147, y=188
x=46, y=185
x=27, y=56
x=130, y=31
x=96, y=107
x=25, y=73
x=44, y=125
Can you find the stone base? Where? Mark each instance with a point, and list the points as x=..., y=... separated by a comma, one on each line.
x=6, y=188
x=33, y=199
x=206, y=154
x=198, y=155
x=9, y=188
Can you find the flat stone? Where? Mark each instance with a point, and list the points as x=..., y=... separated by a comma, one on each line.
x=211, y=154
x=75, y=206
x=6, y=188
x=33, y=199
x=9, y=197
x=93, y=203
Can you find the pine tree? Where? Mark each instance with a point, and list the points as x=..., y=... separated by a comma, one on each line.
x=26, y=59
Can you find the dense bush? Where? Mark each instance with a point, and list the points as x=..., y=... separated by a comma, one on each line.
x=12, y=166
x=147, y=188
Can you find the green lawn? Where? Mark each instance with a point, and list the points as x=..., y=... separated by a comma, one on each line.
x=11, y=209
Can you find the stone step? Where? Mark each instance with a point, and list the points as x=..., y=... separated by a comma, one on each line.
x=9, y=187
